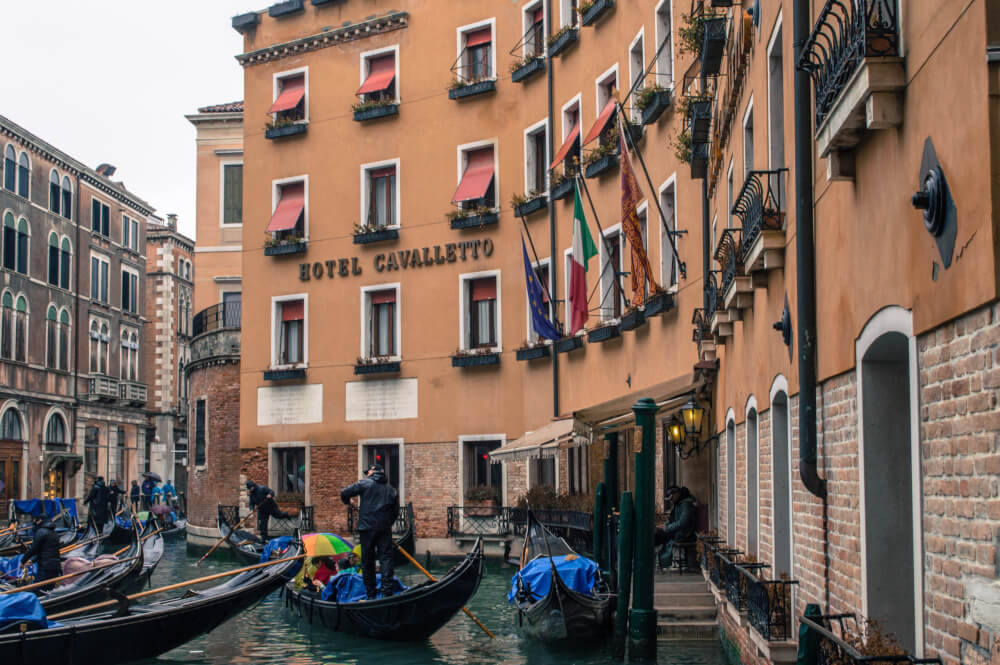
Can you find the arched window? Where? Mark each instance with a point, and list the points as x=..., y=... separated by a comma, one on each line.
x=64, y=329
x=53, y=259
x=95, y=346
x=134, y=369
x=67, y=197
x=730, y=481
x=51, y=338
x=23, y=174
x=23, y=233
x=105, y=348
x=9, y=169
x=753, y=483
x=64, y=264
x=9, y=242
x=55, y=191
x=21, y=329
x=55, y=431
x=7, y=326
x=10, y=426
x=126, y=356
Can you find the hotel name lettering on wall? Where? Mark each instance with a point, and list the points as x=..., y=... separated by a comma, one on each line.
x=402, y=259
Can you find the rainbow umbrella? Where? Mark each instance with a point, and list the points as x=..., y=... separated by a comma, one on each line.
x=326, y=544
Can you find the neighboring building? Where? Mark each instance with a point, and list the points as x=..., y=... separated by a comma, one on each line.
x=170, y=293
x=71, y=321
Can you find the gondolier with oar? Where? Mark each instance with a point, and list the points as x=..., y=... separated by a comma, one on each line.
x=378, y=511
x=45, y=550
x=262, y=498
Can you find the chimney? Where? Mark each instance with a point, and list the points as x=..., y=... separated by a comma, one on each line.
x=106, y=170
x=172, y=221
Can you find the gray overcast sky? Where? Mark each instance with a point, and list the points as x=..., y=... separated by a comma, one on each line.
x=111, y=80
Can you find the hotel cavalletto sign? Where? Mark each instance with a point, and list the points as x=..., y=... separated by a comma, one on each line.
x=402, y=259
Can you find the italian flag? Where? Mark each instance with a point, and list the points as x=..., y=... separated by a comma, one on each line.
x=583, y=250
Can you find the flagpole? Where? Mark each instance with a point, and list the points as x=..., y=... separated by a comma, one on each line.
x=607, y=247
x=552, y=302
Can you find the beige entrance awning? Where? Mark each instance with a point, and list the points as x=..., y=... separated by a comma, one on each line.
x=72, y=460
x=543, y=442
x=618, y=411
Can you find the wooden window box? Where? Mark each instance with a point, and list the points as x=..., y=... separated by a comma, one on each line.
x=563, y=42
x=284, y=374
x=392, y=367
x=286, y=130
x=472, y=89
x=567, y=344
x=286, y=248
x=475, y=359
x=376, y=112
x=528, y=70
x=531, y=206
x=376, y=236
x=534, y=352
x=475, y=221
x=604, y=333
x=596, y=11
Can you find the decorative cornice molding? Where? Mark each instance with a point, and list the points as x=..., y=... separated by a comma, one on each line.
x=350, y=33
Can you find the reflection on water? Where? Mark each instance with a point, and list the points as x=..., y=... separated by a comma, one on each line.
x=271, y=633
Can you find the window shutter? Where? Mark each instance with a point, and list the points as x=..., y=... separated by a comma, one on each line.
x=484, y=289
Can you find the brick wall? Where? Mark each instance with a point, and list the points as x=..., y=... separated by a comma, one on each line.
x=216, y=482
x=333, y=467
x=432, y=485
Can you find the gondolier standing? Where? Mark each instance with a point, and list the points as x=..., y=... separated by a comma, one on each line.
x=45, y=549
x=262, y=498
x=98, y=501
x=379, y=507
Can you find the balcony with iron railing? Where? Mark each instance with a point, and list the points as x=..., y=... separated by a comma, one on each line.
x=853, y=58
x=222, y=315
x=842, y=641
x=760, y=207
x=736, y=286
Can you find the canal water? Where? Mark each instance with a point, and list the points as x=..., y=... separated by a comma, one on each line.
x=269, y=633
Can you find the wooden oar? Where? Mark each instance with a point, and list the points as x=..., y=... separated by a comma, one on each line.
x=52, y=580
x=141, y=540
x=434, y=579
x=179, y=585
x=226, y=537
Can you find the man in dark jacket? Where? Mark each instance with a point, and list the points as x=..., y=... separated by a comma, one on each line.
x=98, y=502
x=262, y=498
x=681, y=526
x=379, y=507
x=133, y=496
x=147, y=493
x=114, y=496
x=45, y=550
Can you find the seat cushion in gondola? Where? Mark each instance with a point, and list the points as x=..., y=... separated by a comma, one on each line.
x=578, y=573
x=350, y=588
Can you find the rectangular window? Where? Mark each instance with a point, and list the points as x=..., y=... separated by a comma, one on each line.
x=776, y=103
x=379, y=73
x=480, y=471
x=232, y=194
x=579, y=470
x=130, y=233
x=130, y=291
x=748, y=141
x=482, y=312
x=668, y=263
x=569, y=152
x=642, y=214
x=64, y=265
x=126, y=227
x=199, y=432
x=542, y=471
x=232, y=305
x=476, y=188
x=55, y=193
x=100, y=218
x=9, y=245
x=729, y=197
x=534, y=37
x=51, y=344
x=90, y=449
x=53, y=263
x=290, y=101
x=99, y=271
x=382, y=197
x=291, y=316
x=382, y=324
x=477, y=58
x=664, y=45
x=612, y=296
x=536, y=148
x=386, y=454
x=288, y=219
x=636, y=68
x=542, y=275
x=291, y=469
x=569, y=12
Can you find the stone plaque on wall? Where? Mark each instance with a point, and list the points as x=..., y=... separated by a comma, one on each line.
x=387, y=399
x=290, y=405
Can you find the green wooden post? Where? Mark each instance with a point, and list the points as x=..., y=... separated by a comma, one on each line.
x=599, y=527
x=625, y=539
x=642, y=617
x=611, y=469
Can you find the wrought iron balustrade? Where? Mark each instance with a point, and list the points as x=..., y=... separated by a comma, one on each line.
x=738, y=576
x=831, y=631
x=479, y=521
x=729, y=255
x=721, y=556
x=301, y=521
x=847, y=32
x=398, y=527
x=760, y=206
x=575, y=526
x=706, y=547
x=769, y=607
x=222, y=315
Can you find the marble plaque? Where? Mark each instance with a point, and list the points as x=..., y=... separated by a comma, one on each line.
x=386, y=399
x=290, y=405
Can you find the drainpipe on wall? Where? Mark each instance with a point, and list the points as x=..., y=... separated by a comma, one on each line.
x=76, y=319
x=553, y=273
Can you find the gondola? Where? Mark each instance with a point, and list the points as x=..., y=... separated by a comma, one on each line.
x=152, y=552
x=410, y=616
x=144, y=631
x=176, y=530
x=19, y=541
x=562, y=613
x=244, y=545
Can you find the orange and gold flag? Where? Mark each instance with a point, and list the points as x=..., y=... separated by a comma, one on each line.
x=631, y=195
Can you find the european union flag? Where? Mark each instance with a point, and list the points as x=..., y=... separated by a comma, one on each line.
x=539, y=317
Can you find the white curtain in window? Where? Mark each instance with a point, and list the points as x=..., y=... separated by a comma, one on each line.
x=384, y=313
x=483, y=319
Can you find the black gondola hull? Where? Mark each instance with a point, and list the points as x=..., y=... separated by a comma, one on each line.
x=565, y=614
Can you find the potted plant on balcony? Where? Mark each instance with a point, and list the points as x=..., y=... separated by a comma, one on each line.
x=601, y=159
x=371, y=109
x=285, y=244
x=475, y=217
x=290, y=502
x=285, y=124
x=526, y=67
x=560, y=184
x=366, y=233
x=633, y=318
x=652, y=101
x=376, y=365
x=481, y=501
x=533, y=350
x=560, y=40
x=477, y=357
x=533, y=201
x=592, y=10
x=461, y=87
x=604, y=331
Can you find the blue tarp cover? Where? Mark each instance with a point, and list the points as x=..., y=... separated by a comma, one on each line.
x=350, y=587
x=272, y=545
x=10, y=567
x=48, y=507
x=22, y=607
x=577, y=572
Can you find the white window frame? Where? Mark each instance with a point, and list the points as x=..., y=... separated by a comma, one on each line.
x=575, y=103
x=751, y=405
x=527, y=22
x=639, y=40
x=566, y=15
x=461, y=161
x=276, y=301
x=598, y=83
x=731, y=189
x=530, y=157
x=476, y=438
x=665, y=239
x=17, y=166
x=277, y=77
x=100, y=320
x=460, y=53
x=527, y=470
x=276, y=186
x=465, y=311
x=366, y=309
x=364, y=67
x=397, y=441
x=138, y=301
x=747, y=115
x=715, y=232
x=272, y=463
x=567, y=272
x=664, y=79
x=603, y=250
x=222, y=192
x=370, y=166
x=770, y=49
x=535, y=265
x=123, y=371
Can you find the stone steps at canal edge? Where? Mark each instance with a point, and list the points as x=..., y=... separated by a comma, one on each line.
x=685, y=607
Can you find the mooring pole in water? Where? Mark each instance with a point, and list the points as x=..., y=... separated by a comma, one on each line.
x=599, y=529
x=642, y=616
x=611, y=469
x=625, y=540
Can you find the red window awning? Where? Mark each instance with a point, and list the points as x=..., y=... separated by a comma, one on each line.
x=293, y=310
x=383, y=297
x=289, y=209
x=484, y=289
x=477, y=37
x=567, y=145
x=539, y=14
x=602, y=121
x=292, y=91
x=477, y=177
x=381, y=72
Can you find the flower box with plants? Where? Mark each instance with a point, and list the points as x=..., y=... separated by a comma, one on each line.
x=658, y=303
x=567, y=344
x=475, y=357
x=705, y=36
x=592, y=10
x=290, y=502
x=601, y=159
x=376, y=365
x=376, y=108
x=560, y=186
x=481, y=501
x=633, y=318
x=532, y=202
x=461, y=88
x=606, y=331
x=697, y=112
x=652, y=102
x=524, y=69
x=473, y=218
x=284, y=374
x=371, y=233
x=533, y=350
x=561, y=40
x=283, y=127
x=699, y=160
x=279, y=246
